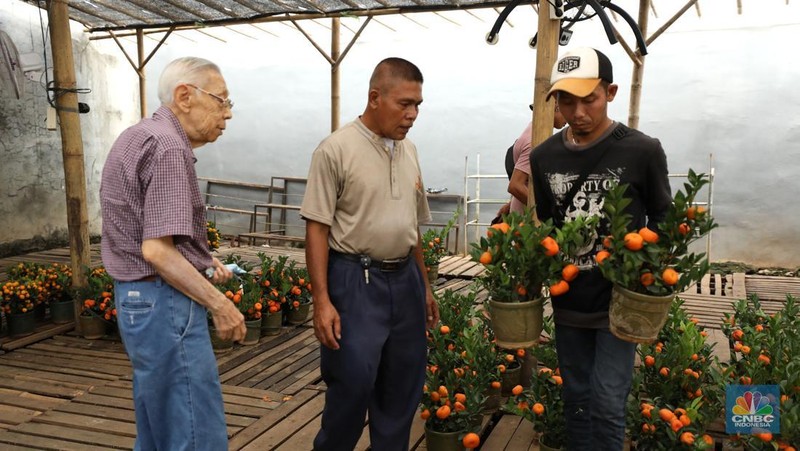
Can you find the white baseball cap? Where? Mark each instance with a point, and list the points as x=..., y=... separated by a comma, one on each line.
x=579, y=71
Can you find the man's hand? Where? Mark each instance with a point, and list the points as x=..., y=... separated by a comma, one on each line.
x=327, y=324
x=229, y=322
x=221, y=273
x=431, y=308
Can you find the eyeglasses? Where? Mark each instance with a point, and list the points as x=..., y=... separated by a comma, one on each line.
x=225, y=103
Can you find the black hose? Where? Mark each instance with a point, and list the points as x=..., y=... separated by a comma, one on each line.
x=632, y=23
x=501, y=19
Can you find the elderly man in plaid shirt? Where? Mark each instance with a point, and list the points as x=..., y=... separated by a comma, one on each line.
x=154, y=245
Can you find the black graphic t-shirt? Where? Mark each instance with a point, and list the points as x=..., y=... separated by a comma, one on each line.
x=637, y=160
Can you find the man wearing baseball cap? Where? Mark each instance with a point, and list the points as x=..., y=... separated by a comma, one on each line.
x=571, y=171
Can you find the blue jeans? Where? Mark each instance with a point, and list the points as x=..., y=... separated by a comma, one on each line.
x=597, y=368
x=380, y=365
x=176, y=389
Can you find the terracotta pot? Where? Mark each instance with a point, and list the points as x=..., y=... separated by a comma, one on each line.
x=637, y=317
x=516, y=324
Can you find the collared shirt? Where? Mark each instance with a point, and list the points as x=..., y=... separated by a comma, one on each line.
x=149, y=190
x=372, y=198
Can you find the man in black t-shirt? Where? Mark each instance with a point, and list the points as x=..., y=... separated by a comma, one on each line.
x=597, y=367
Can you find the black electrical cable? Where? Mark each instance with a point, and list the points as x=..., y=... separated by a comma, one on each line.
x=597, y=6
x=632, y=23
x=501, y=18
x=49, y=84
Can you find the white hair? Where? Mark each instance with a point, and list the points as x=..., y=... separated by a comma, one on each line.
x=186, y=70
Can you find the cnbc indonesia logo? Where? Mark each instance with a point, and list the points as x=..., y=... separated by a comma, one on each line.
x=752, y=410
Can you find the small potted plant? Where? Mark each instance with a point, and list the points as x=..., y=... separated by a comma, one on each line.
x=456, y=378
x=765, y=350
x=233, y=290
x=543, y=406
x=522, y=257
x=274, y=287
x=677, y=389
x=17, y=305
x=434, y=247
x=649, y=267
x=58, y=281
x=97, y=304
x=298, y=297
x=251, y=306
x=31, y=276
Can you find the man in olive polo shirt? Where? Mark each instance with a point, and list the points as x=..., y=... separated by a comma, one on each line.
x=363, y=205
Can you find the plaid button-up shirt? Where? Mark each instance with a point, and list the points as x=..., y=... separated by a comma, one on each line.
x=149, y=190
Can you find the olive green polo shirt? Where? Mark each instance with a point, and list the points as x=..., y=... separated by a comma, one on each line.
x=372, y=199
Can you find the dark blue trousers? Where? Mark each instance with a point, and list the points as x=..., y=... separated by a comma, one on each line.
x=597, y=368
x=380, y=366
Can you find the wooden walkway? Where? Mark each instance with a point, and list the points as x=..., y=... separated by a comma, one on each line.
x=68, y=393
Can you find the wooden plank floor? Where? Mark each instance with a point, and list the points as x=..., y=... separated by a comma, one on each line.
x=65, y=392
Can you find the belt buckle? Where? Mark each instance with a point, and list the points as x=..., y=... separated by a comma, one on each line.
x=391, y=265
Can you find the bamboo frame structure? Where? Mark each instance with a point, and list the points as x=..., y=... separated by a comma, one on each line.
x=66, y=100
x=546, y=55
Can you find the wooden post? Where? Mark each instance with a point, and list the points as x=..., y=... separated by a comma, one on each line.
x=546, y=56
x=71, y=143
x=140, y=72
x=638, y=69
x=335, y=94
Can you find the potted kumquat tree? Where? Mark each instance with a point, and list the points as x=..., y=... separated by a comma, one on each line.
x=251, y=306
x=677, y=389
x=460, y=361
x=541, y=404
x=298, y=298
x=97, y=298
x=521, y=258
x=649, y=267
x=58, y=282
x=17, y=304
x=765, y=350
x=274, y=287
x=233, y=290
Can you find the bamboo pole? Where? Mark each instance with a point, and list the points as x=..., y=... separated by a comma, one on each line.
x=335, y=74
x=141, y=73
x=669, y=23
x=638, y=69
x=546, y=56
x=71, y=142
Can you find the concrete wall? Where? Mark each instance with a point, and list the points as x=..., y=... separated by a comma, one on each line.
x=32, y=198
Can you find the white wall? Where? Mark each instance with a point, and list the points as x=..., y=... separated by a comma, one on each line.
x=722, y=84
x=32, y=198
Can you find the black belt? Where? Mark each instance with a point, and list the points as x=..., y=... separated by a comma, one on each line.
x=389, y=265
